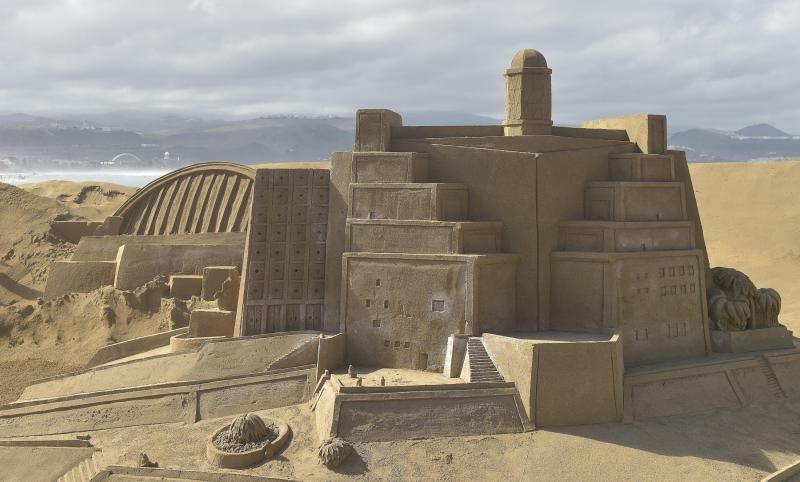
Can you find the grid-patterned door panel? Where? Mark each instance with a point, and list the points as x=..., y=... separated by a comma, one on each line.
x=285, y=256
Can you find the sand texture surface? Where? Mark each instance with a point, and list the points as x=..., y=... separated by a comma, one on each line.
x=90, y=200
x=41, y=338
x=725, y=446
x=751, y=221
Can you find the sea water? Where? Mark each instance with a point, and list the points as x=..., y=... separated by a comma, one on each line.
x=127, y=178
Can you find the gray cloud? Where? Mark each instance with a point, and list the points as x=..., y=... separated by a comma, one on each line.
x=713, y=63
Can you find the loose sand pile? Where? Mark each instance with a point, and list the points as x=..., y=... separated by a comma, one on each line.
x=46, y=338
x=90, y=200
x=27, y=245
x=40, y=338
x=751, y=222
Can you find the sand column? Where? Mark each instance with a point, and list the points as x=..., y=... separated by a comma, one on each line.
x=528, y=95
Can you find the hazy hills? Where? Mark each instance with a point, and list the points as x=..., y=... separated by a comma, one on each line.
x=29, y=142
x=762, y=130
x=36, y=142
x=756, y=142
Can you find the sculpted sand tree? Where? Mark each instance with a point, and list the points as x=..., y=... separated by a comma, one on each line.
x=735, y=304
x=246, y=429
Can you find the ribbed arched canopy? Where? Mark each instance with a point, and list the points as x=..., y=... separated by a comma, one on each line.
x=210, y=197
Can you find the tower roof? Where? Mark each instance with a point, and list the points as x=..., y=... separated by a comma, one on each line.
x=528, y=58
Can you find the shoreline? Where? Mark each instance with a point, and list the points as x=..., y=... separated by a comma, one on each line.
x=125, y=178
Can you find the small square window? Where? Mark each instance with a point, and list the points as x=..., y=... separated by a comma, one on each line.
x=407, y=344
x=386, y=343
x=376, y=323
x=377, y=282
x=385, y=303
x=367, y=303
x=397, y=344
x=437, y=305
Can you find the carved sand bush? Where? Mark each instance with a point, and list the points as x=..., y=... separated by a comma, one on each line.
x=333, y=451
x=736, y=305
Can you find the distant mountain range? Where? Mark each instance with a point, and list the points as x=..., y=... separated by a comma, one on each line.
x=762, y=130
x=86, y=140
x=756, y=142
x=29, y=142
x=36, y=142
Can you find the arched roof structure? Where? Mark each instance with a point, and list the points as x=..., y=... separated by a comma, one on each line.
x=210, y=197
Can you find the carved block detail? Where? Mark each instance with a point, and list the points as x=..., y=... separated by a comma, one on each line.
x=286, y=251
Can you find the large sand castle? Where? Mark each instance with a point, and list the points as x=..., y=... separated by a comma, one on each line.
x=511, y=287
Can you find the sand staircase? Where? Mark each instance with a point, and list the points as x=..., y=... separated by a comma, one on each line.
x=86, y=470
x=772, y=380
x=478, y=365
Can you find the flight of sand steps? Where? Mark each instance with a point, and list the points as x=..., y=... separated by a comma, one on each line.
x=86, y=469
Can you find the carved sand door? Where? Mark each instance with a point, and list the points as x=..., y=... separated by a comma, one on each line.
x=422, y=361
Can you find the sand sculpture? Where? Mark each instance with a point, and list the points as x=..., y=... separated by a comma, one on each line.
x=735, y=304
x=247, y=440
x=332, y=452
x=744, y=318
x=435, y=281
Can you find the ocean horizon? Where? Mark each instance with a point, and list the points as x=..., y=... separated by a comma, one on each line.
x=125, y=178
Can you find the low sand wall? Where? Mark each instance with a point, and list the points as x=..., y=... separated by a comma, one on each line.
x=217, y=358
x=153, y=404
x=304, y=353
x=115, y=351
x=148, y=473
x=379, y=414
x=104, y=248
x=139, y=263
x=331, y=354
x=648, y=131
x=424, y=132
x=712, y=384
x=563, y=378
x=73, y=231
x=78, y=277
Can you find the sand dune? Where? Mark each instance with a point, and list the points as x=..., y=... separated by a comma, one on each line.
x=27, y=246
x=33, y=333
x=91, y=200
x=751, y=221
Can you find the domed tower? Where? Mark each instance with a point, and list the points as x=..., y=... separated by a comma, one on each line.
x=528, y=95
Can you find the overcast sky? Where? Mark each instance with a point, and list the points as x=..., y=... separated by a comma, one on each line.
x=709, y=63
